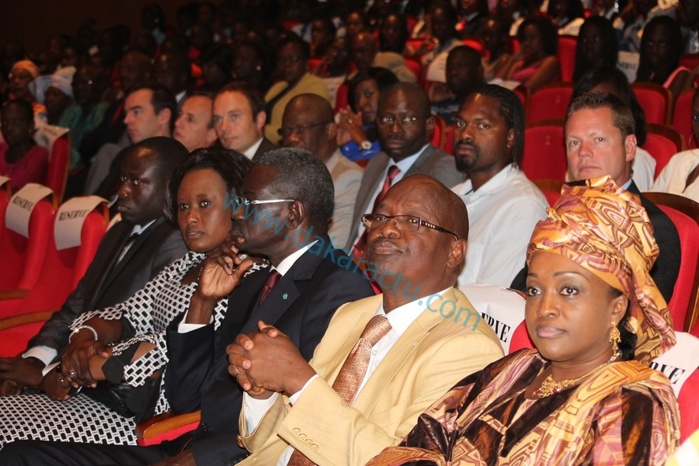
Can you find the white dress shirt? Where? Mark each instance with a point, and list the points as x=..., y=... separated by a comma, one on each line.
x=250, y=151
x=673, y=178
x=502, y=215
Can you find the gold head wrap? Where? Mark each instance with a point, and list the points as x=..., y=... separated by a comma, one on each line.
x=27, y=65
x=606, y=230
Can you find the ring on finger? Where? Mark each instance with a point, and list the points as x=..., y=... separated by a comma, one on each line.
x=63, y=381
x=237, y=371
x=72, y=374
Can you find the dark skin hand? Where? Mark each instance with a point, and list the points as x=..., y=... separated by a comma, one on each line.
x=267, y=361
x=222, y=271
x=19, y=373
x=75, y=362
x=10, y=388
x=55, y=386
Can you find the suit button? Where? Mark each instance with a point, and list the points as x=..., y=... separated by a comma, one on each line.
x=308, y=442
x=296, y=431
x=314, y=447
x=303, y=437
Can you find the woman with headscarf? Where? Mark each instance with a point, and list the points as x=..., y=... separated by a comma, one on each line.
x=585, y=394
x=22, y=74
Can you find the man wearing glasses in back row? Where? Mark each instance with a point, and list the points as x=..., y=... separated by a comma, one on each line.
x=405, y=128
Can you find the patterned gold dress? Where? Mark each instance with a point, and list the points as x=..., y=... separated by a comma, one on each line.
x=625, y=414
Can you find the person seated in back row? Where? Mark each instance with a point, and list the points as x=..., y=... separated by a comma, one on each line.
x=21, y=159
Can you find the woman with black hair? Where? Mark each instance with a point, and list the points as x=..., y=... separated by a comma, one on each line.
x=536, y=63
x=661, y=49
x=356, y=128
x=598, y=46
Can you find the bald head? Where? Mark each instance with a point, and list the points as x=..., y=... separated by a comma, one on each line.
x=428, y=253
x=404, y=121
x=308, y=123
x=450, y=211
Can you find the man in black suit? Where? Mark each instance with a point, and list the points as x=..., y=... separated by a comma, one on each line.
x=600, y=140
x=239, y=119
x=405, y=128
x=111, y=278
x=284, y=215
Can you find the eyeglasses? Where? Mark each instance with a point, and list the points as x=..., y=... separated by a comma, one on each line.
x=695, y=117
x=402, y=222
x=284, y=132
x=241, y=201
x=402, y=120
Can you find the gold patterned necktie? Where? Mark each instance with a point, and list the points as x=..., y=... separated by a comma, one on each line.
x=353, y=370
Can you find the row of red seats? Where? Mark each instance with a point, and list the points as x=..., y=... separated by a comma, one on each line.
x=551, y=101
x=35, y=275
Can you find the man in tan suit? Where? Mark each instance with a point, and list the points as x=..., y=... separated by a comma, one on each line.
x=416, y=246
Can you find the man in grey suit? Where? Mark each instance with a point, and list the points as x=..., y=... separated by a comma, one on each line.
x=308, y=123
x=131, y=253
x=405, y=128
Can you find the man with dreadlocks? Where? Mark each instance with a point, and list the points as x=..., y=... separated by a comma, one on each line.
x=503, y=205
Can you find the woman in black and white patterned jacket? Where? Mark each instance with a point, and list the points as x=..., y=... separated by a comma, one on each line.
x=117, y=356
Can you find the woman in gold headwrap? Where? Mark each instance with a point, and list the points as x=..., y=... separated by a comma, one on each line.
x=585, y=395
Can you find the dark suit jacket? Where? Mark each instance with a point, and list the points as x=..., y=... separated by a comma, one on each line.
x=300, y=305
x=104, y=285
x=265, y=146
x=433, y=162
x=667, y=266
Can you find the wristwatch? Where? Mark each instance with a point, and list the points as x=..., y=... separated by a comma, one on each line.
x=365, y=145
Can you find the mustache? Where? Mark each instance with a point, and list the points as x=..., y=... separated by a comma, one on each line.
x=462, y=143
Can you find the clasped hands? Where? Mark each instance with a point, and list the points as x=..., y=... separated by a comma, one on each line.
x=267, y=361
x=81, y=366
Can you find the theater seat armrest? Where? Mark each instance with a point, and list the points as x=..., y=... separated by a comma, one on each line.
x=23, y=319
x=13, y=294
x=166, y=426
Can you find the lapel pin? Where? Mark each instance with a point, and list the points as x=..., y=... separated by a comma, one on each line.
x=284, y=296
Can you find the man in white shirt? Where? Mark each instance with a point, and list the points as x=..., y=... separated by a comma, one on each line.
x=308, y=123
x=352, y=400
x=239, y=119
x=681, y=175
x=503, y=205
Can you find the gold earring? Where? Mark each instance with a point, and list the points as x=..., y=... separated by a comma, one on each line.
x=614, y=337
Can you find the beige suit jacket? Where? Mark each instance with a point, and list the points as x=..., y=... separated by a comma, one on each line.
x=346, y=176
x=447, y=342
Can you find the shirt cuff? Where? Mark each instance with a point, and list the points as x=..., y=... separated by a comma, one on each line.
x=186, y=328
x=255, y=410
x=294, y=398
x=44, y=354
